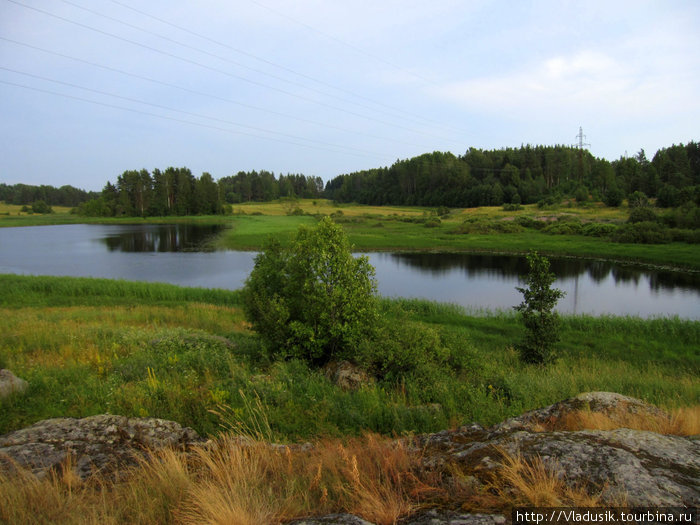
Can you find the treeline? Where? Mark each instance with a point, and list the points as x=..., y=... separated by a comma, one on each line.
x=176, y=191
x=25, y=194
x=525, y=175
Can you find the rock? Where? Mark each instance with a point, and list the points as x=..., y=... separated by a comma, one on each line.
x=332, y=519
x=103, y=443
x=432, y=517
x=645, y=468
x=649, y=469
x=10, y=383
x=616, y=407
x=347, y=375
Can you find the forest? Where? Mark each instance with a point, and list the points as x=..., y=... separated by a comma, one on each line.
x=525, y=175
x=176, y=191
x=25, y=194
x=508, y=176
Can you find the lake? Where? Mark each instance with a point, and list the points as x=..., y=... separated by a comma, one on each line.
x=177, y=254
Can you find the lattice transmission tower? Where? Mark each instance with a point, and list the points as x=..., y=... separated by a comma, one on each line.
x=580, y=145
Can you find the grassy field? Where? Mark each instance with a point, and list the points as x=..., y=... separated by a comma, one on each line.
x=89, y=346
x=392, y=228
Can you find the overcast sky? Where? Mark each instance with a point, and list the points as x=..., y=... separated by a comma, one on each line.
x=89, y=89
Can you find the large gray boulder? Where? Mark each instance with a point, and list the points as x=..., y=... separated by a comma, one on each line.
x=103, y=443
x=10, y=383
x=644, y=468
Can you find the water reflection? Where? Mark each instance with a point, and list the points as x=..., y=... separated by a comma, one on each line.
x=508, y=267
x=175, y=254
x=161, y=238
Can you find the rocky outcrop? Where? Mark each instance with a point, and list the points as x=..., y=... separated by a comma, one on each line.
x=101, y=443
x=616, y=407
x=640, y=467
x=636, y=467
x=10, y=383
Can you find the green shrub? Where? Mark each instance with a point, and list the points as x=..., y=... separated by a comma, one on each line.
x=508, y=206
x=642, y=233
x=312, y=300
x=549, y=202
x=581, y=194
x=686, y=216
x=536, y=312
x=641, y=214
x=442, y=212
x=433, y=222
x=564, y=226
x=637, y=199
x=598, y=229
x=684, y=235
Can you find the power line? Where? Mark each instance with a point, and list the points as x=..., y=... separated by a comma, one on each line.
x=200, y=93
x=263, y=60
x=210, y=68
x=174, y=119
x=295, y=72
x=343, y=42
x=228, y=60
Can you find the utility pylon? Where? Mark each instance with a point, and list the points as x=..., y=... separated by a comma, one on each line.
x=580, y=144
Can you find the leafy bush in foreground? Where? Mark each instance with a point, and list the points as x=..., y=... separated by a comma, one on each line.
x=312, y=300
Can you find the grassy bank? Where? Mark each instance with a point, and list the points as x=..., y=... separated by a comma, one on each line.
x=394, y=228
x=90, y=346
x=490, y=229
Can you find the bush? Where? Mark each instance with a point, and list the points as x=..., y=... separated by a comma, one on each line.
x=512, y=206
x=550, y=202
x=641, y=214
x=564, y=226
x=541, y=323
x=613, y=197
x=442, y=212
x=433, y=222
x=581, y=194
x=686, y=216
x=598, y=229
x=642, y=233
x=637, y=199
x=41, y=207
x=312, y=300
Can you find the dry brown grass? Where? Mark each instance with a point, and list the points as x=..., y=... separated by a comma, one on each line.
x=234, y=481
x=684, y=421
x=531, y=482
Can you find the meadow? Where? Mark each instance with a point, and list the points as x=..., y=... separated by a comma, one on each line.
x=564, y=230
x=90, y=346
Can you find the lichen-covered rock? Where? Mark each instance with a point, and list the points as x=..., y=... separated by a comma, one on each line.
x=10, y=383
x=102, y=443
x=347, y=375
x=443, y=517
x=332, y=519
x=644, y=468
x=431, y=517
x=616, y=407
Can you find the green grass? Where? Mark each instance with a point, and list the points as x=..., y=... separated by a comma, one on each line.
x=249, y=232
x=90, y=346
x=387, y=228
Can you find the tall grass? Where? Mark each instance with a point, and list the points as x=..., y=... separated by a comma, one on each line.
x=163, y=351
x=22, y=290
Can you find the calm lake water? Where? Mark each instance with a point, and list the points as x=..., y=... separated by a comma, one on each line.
x=173, y=253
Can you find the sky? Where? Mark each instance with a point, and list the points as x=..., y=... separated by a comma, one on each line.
x=89, y=89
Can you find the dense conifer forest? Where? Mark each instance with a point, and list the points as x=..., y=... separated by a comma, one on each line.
x=529, y=174
x=525, y=175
